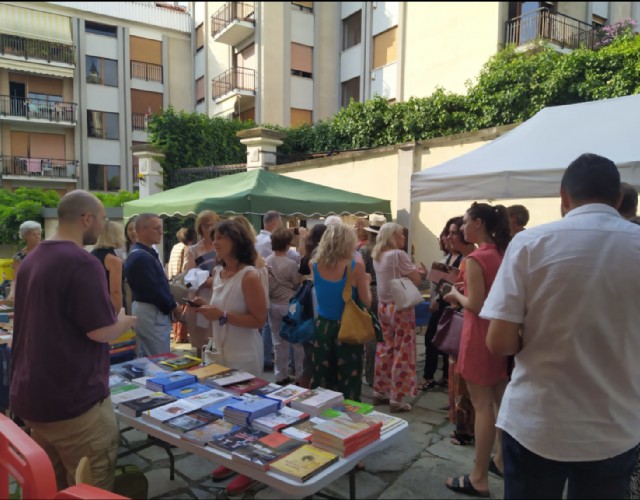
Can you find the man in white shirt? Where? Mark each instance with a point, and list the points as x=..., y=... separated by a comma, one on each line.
x=565, y=303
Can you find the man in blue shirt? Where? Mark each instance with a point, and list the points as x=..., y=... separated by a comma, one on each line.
x=153, y=303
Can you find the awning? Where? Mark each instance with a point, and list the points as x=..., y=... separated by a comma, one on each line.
x=35, y=24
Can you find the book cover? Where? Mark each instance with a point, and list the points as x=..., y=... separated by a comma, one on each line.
x=115, y=380
x=170, y=380
x=181, y=362
x=209, y=397
x=345, y=429
x=389, y=422
x=188, y=390
x=316, y=398
x=202, y=435
x=127, y=393
x=244, y=387
x=303, y=430
x=264, y=390
x=189, y=421
x=202, y=372
x=237, y=439
x=349, y=406
x=166, y=412
x=218, y=408
x=442, y=275
x=156, y=358
x=281, y=419
x=287, y=393
x=136, y=407
x=266, y=449
x=303, y=463
x=252, y=408
x=225, y=379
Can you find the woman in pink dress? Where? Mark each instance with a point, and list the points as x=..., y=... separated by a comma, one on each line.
x=484, y=373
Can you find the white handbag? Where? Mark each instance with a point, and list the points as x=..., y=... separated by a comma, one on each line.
x=405, y=294
x=211, y=354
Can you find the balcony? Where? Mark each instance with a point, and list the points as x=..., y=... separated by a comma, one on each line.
x=233, y=22
x=146, y=71
x=234, y=81
x=139, y=121
x=40, y=50
x=40, y=168
x=21, y=109
x=559, y=29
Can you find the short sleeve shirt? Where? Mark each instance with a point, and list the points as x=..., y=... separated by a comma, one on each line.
x=57, y=372
x=392, y=264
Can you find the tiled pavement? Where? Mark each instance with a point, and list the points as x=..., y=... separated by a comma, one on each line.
x=415, y=466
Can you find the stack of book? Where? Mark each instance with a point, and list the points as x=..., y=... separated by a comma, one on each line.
x=189, y=421
x=202, y=372
x=228, y=443
x=245, y=387
x=279, y=420
x=210, y=397
x=316, y=401
x=127, y=392
x=163, y=413
x=246, y=411
x=303, y=463
x=123, y=348
x=303, y=430
x=389, y=422
x=222, y=380
x=345, y=435
x=286, y=394
x=189, y=390
x=180, y=362
x=172, y=380
x=135, y=407
x=218, y=407
x=265, y=450
x=203, y=434
x=264, y=390
x=347, y=406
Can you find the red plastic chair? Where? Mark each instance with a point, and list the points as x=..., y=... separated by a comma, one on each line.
x=22, y=458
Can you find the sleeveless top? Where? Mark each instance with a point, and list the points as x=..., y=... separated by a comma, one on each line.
x=329, y=294
x=101, y=254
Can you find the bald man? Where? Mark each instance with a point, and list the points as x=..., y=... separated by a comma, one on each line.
x=60, y=354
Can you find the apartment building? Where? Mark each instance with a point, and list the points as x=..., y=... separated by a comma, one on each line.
x=78, y=81
x=298, y=62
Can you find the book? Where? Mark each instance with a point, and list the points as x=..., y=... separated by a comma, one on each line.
x=170, y=380
x=135, y=407
x=244, y=387
x=347, y=427
x=210, y=397
x=236, y=439
x=444, y=276
x=189, y=421
x=128, y=392
x=264, y=390
x=303, y=463
x=163, y=413
x=316, y=401
x=203, y=434
x=218, y=408
x=156, y=358
x=279, y=420
x=115, y=379
x=224, y=379
x=347, y=406
x=287, y=393
x=202, y=372
x=181, y=362
x=189, y=390
x=389, y=422
x=303, y=430
x=265, y=450
x=141, y=381
x=244, y=412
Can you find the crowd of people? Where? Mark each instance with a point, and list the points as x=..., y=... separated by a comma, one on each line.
x=525, y=382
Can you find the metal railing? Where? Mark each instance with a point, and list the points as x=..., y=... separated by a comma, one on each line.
x=233, y=79
x=146, y=71
x=230, y=12
x=139, y=121
x=37, y=49
x=31, y=108
x=563, y=30
x=40, y=167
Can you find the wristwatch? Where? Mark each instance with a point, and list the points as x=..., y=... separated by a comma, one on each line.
x=223, y=319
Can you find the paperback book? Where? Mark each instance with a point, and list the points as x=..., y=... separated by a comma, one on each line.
x=218, y=408
x=163, y=413
x=303, y=463
x=279, y=420
x=230, y=442
x=156, y=358
x=316, y=401
x=246, y=411
x=244, y=387
x=212, y=396
x=181, y=362
x=347, y=406
x=265, y=450
x=265, y=390
x=127, y=392
x=171, y=380
x=224, y=379
x=189, y=421
x=203, y=434
x=287, y=393
x=303, y=430
x=189, y=390
x=202, y=372
x=135, y=407
x=389, y=422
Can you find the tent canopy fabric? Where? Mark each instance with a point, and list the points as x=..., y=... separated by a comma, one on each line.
x=256, y=192
x=529, y=160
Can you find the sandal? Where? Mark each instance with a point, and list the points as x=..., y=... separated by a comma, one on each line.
x=395, y=407
x=379, y=399
x=425, y=386
x=465, y=487
x=460, y=439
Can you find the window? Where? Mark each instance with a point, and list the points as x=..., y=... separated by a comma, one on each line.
x=350, y=90
x=300, y=117
x=104, y=177
x=102, y=125
x=305, y=6
x=199, y=37
x=102, y=71
x=598, y=22
x=384, y=48
x=200, y=90
x=301, y=60
x=101, y=29
x=351, y=30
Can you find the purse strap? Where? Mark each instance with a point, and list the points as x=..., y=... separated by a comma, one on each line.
x=347, y=293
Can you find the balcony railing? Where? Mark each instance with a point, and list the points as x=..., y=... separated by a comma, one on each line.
x=42, y=109
x=37, y=49
x=230, y=12
x=139, y=121
x=146, y=71
x=233, y=79
x=40, y=167
x=565, y=31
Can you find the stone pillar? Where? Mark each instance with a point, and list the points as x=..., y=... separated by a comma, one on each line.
x=262, y=144
x=150, y=171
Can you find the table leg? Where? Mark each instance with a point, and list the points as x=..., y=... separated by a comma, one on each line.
x=352, y=484
x=152, y=441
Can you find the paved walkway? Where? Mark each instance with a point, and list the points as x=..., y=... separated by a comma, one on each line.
x=416, y=466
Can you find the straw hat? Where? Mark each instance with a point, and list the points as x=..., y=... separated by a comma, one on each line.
x=375, y=222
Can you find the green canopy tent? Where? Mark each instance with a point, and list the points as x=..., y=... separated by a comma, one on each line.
x=253, y=193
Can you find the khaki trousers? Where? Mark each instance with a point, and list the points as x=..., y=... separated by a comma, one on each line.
x=94, y=434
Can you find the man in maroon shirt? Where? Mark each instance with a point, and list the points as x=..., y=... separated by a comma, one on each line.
x=60, y=354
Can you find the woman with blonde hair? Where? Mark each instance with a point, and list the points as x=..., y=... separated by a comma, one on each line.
x=202, y=255
x=395, y=372
x=337, y=366
x=111, y=237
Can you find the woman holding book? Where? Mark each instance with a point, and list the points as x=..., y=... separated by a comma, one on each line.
x=236, y=311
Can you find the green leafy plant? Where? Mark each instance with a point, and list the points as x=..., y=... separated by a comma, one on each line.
x=21, y=205
x=116, y=199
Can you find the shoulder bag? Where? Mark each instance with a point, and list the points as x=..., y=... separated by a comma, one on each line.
x=449, y=332
x=405, y=294
x=358, y=325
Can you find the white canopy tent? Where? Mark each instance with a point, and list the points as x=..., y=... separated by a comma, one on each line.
x=528, y=161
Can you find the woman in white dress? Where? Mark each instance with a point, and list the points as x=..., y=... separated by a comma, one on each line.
x=237, y=307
